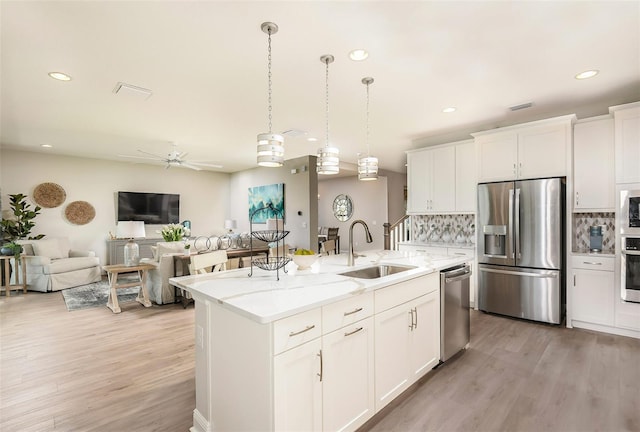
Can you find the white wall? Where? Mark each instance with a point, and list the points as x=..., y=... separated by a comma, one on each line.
x=204, y=195
x=299, y=187
x=369, y=204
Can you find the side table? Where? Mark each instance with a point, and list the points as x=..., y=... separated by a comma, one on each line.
x=21, y=270
x=141, y=273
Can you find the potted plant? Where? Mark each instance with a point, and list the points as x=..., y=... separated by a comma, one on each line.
x=17, y=227
x=11, y=248
x=20, y=225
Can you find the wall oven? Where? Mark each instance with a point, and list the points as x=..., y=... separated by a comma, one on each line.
x=630, y=213
x=630, y=268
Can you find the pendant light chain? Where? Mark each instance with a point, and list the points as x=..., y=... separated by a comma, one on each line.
x=367, y=130
x=269, y=77
x=327, y=102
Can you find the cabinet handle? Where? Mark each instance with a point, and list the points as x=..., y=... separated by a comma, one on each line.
x=574, y=280
x=353, y=332
x=411, y=319
x=514, y=169
x=306, y=329
x=352, y=312
x=321, y=368
x=415, y=310
x=577, y=198
x=460, y=253
x=520, y=169
x=591, y=263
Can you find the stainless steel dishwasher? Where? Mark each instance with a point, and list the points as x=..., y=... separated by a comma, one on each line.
x=454, y=310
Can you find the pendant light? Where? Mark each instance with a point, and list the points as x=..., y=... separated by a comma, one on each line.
x=367, y=166
x=328, y=156
x=270, y=145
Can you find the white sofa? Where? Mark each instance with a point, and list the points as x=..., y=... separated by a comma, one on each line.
x=53, y=266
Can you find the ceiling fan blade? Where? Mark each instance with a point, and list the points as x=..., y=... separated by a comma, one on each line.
x=151, y=154
x=140, y=157
x=188, y=165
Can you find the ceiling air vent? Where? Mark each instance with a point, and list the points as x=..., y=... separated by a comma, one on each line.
x=131, y=91
x=521, y=106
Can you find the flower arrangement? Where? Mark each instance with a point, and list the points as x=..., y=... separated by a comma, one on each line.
x=174, y=232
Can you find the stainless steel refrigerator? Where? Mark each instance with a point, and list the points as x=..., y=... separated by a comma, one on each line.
x=521, y=249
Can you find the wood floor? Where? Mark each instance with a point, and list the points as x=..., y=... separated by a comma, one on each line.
x=92, y=370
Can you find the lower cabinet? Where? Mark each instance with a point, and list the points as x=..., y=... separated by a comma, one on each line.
x=593, y=290
x=327, y=384
x=298, y=389
x=407, y=345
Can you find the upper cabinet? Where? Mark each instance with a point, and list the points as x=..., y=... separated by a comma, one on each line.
x=531, y=150
x=593, y=165
x=627, y=142
x=442, y=179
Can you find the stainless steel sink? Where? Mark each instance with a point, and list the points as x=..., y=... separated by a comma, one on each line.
x=376, y=272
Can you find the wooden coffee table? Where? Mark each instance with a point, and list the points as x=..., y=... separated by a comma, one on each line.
x=140, y=271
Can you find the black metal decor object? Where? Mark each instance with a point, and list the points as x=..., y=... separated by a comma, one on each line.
x=276, y=236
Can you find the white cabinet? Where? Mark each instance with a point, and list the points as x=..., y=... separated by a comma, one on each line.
x=297, y=400
x=531, y=150
x=593, y=290
x=627, y=142
x=347, y=377
x=593, y=165
x=431, y=180
x=326, y=384
x=407, y=335
x=466, y=177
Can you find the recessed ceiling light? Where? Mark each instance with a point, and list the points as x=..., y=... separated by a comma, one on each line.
x=587, y=74
x=46, y=145
x=60, y=76
x=449, y=110
x=312, y=139
x=358, y=54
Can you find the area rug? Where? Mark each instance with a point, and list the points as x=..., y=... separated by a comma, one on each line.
x=95, y=295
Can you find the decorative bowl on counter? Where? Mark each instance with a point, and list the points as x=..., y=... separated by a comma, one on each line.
x=304, y=262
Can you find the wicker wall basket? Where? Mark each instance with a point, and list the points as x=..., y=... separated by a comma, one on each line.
x=49, y=195
x=80, y=212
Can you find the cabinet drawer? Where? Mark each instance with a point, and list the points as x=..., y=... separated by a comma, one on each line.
x=592, y=262
x=296, y=330
x=460, y=252
x=347, y=311
x=391, y=296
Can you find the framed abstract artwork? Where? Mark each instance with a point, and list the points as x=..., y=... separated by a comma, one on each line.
x=261, y=196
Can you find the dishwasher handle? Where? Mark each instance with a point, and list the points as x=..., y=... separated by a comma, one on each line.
x=458, y=275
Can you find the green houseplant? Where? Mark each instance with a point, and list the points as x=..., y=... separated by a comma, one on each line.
x=17, y=227
x=21, y=223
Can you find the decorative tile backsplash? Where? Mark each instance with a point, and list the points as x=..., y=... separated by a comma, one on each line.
x=444, y=228
x=583, y=221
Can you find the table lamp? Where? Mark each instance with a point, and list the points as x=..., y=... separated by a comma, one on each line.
x=130, y=230
x=230, y=224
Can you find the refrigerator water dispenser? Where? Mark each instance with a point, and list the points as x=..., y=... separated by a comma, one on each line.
x=495, y=237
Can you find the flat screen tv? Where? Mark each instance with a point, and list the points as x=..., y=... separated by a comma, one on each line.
x=151, y=208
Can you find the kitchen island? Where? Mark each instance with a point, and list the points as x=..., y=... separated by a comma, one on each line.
x=316, y=350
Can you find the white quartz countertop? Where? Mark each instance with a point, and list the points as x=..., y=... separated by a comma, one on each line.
x=264, y=299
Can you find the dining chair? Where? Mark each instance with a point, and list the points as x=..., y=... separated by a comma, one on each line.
x=332, y=234
x=328, y=246
x=201, y=264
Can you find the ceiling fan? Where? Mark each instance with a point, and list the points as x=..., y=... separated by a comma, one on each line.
x=173, y=158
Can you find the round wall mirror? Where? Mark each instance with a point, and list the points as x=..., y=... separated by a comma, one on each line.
x=342, y=207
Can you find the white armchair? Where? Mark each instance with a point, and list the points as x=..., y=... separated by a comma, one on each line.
x=53, y=266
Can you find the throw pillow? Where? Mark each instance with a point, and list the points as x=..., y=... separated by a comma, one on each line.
x=48, y=247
